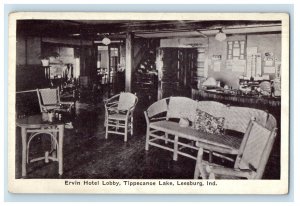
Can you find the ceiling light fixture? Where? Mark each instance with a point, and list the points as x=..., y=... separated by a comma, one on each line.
x=220, y=36
x=106, y=41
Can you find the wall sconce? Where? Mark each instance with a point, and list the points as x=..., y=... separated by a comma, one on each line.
x=220, y=36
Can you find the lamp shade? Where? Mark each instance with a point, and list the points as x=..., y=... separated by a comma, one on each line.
x=106, y=41
x=220, y=36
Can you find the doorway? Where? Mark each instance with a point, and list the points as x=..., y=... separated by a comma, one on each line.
x=108, y=63
x=176, y=70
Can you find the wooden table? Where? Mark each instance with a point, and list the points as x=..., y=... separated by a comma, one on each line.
x=35, y=125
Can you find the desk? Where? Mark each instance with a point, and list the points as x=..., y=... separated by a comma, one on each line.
x=34, y=125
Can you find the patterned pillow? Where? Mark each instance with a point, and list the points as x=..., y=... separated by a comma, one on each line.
x=208, y=123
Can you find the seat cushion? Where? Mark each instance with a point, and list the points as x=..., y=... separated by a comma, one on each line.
x=223, y=141
x=208, y=123
x=117, y=116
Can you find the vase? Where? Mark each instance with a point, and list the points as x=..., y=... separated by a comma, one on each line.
x=45, y=62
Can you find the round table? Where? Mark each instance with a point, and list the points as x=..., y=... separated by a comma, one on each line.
x=35, y=125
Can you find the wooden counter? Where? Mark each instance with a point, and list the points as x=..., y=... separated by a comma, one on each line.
x=263, y=103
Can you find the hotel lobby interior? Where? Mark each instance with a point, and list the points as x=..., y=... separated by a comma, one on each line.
x=227, y=67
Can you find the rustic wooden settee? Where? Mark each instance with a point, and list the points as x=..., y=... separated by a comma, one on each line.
x=165, y=132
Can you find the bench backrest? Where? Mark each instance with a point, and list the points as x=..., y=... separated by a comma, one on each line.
x=157, y=108
x=182, y=107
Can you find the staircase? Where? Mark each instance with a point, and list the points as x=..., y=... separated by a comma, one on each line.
x=145, y=73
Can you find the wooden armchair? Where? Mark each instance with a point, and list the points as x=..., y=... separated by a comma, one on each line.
x=27, y=103
x=251, y=160
x=50, y=100
x=119, y=114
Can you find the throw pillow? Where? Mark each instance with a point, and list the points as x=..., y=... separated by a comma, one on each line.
x=184, y=122
x=208, y=123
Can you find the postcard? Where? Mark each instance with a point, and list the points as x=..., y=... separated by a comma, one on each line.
x=135, y=103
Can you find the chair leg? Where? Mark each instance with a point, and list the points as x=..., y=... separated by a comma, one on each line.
x=199, y=170
x=210, y=157
x=131, y=126
x=106, y=129
x=126, y=131
x=147, y=138
x=212, y=176
x=175, y=154
x=105, y=120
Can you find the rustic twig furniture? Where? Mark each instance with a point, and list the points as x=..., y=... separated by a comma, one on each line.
x=50, y=100
x=251, y=160
x=119, y=114
x=162, y=130
x=34, y=125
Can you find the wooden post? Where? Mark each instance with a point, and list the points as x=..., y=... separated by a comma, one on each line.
x=129, y=55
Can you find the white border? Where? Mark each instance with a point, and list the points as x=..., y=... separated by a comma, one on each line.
x=240, y=187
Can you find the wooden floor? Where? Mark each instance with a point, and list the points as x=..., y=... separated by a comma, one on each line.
x=87, y=154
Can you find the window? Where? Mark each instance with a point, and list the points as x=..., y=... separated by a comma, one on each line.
x=236, y=50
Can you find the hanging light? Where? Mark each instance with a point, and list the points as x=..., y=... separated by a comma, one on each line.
x=220, y=36
x=106, y=41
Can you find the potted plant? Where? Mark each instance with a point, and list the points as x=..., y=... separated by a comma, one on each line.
x=45, y=57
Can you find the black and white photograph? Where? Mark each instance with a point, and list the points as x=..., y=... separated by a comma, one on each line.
x=148, y=102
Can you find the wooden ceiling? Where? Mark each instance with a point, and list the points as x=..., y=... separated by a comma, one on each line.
x=95, y=29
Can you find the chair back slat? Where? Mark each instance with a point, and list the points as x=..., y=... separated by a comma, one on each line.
x=27, y=103
x=213, y=108
x=182, y=107
x=257, y=148
x=126, y=101
x=157, y=107
x=237, y=118
x=49, y=96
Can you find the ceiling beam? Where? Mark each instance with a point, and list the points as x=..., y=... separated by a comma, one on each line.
x=94, y=29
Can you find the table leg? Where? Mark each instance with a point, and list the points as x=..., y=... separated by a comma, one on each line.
x=24, y=150
x=60, y=148
x=53, y=145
